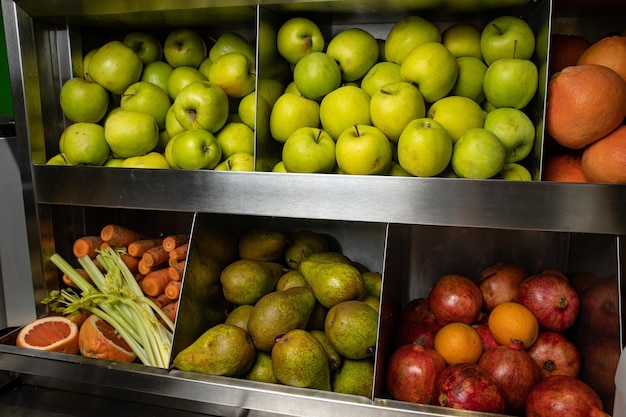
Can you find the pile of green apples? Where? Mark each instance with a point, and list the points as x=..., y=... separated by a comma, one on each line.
x=422, y=102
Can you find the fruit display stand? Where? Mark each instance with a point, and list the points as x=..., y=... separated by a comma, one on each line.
x=412, y=229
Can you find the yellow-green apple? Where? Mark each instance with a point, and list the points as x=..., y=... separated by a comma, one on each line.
x=196, y=149
x=380, y=74
x=172, y=127
x=131, y=133
x=164, y=138
x=146, y=97
x=424, y=148
x=309, y=150
x=292, y=88
x=356, y=51
x=507, y=37
x=408, y=33
x=511, y=82
x=478, y=154
x=316, y=75
x=298, y=37
x=84, y=144
x=157, y=73
x=181, y=77
x=151, y=160
x=469, y=81
x=457, y=114
x=396, y=170
x=462, y=39
x=84, y=101
x=184, y=48
x=255, y=113
x=114, y=162
x=363, y=150
x=167, y=154
x=205, y=66
x=240, y=161
x=201, y=105
x=115, y=66
x=147, y=46
x=291, y=112
x=229, y=42
x=86, y=61
x=432, y=68
x=394, y=105
x=235, y=137
x=266, y=41
x=233, y=73
x=270, y=89
x=515, y=171
x=343, y=108
x=279, y=167
x=59, y=159
x=514, y=129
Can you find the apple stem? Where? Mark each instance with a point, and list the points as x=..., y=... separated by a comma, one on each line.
x=514, y=48
x=356, y=129
x=319, y=135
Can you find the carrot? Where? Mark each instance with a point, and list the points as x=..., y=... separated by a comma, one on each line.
x=67, y=281
x=161, y=301
x=173, y=241
x=104, y=245
x=139, y=247
x=142, y=268
x=177, y=270
x=154, y=283
x=138, y=276
x=116, y=235
x=86, y=246
x=171, y=309
x=172, y=290
x=130, y=261
x=155, y=256
x=180, y=252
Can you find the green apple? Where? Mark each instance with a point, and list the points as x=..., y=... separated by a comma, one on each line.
x=151, y=160
x=462, y=39
x=157, y=73
x=292, y=88
x=363, y=150
x=255, y=113
x=457, y=114
x=270, y=89
x=408, y=33
x=146, y=97
x=114, y=162
x=298, y=37
x=234, y=73
x=393, y=106
x=514, y=171
x=235, y=137
x=356, y=51
x=432, y=68
x=205, y=67
x=309, y=150
x=514, y=129
x=201, y=105
x=164, y=139
x=229, y=42
x=196, y=149
x=167, y=154
x=131, y=133
x=86, y=61
x=147, y=46
x=240, y=161
x=511, y=82
x=184, y=48
x=181, y=77
x=380, y=74
x=279, y=167
x=172, y=127
x=396, y=170
x=507, y=37
x=343, y=108
x=115, y=66
x=469, y=81
x=84, y=144
x=84, y=101
x=266, y=44
x=291, y=112
x=316, y=75
x=478, y=154
x=59, y=159
x=424, y=148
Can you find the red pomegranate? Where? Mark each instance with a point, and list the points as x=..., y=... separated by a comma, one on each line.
x=411, y=373
x=499, y=283
x=467, y=386
x=488, y=340
x=515, y=372
x=455, y=298
x=416, y=309
x=599, y=309
x=555, y=354
x=553, y=301
x=560, y=395
x=419, y=332
x=600, y=359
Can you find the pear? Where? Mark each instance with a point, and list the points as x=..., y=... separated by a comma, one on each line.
x=224, y=349
x=334, y=358
x=290, y=279
x=262, y=369
x=245, y=281
x=302, y=244
x=372, y=301
x=279, y=312
x=239, y=316
x=299, y=360
x=351, y=328
x=262, y=245
x=354, y=377
x=318, y=316
x=332, y=282
x=329, y=257
x=373, y=283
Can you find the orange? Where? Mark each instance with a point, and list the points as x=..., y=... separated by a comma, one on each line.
x=458, y=343
x=605, y=160
x=564, y=168
x=565, y=50
x=52, y=334
x=513, y=323
x=609, y=51
x=98, y=339
x=585, y=103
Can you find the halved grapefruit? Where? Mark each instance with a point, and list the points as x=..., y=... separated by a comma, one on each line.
x=98, y=339
x=52, y=334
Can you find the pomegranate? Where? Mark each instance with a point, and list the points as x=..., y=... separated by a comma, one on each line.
x=600, y=359
x=416, y=309
x=515, y=372
x=467, y=386
x=498, y=283
x=488, y=340
x=553, y=301
x=455, y=298
x=411, y=373
x=582, y=280
x=555, y=354
x=599, y=309
x=560, y=395
x=419, y=332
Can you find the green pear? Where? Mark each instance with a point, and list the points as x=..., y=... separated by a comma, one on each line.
x=279, y=312
x=239, y=316
x=329, y=257
x=332, y=282
x=351, y=328
x=318, y=317
x=245, y=281
x=355, y=377
x=290, y=279
x=260, y=244
x=372, y=301
x=262, y=369
x=334, y=358
x=224, y=349
x=299, y=360
x=373, y=283
x=302, y=244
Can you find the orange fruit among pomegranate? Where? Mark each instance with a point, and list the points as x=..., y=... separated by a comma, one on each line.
x=511, y=322
x=458, y=343
x=585, y=103
x=565, y=50
x=98, y=339
x=52, y=334
x=564, y=168
x=609, y=51
x=605, y=160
